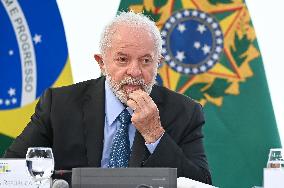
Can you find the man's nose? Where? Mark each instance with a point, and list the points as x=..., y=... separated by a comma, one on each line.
x=134, y=69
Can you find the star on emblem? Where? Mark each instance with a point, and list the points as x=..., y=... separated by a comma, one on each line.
x=206, y=49
x=172, y=64
x=179, y=68
x=197, y=45
x=202, y=15
x=1, y=101
x=214, y=25
x=179, y=15
x=201, y=28
x=218, y=33
x=12, y=92
x=167, y=57
x=209, y=20
x=194, y=13
x=181, y=28
x=14, y=100
x=168, y=25
x=7, y=102
x=11, y=52
x=37, y=38
x=180, y=55
x=219, y=41
x=186, y=12
x=172, y=20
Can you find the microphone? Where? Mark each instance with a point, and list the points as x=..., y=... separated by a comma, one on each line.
x=59, y=183
x=65, y=175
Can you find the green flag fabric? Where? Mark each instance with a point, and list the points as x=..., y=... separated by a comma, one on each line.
x=211, y=54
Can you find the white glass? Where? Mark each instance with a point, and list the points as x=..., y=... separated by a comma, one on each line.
x=40, y=164
x=276, y=158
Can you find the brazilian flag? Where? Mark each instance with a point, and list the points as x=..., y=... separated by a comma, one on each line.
x=33, y=57
x=211, y=54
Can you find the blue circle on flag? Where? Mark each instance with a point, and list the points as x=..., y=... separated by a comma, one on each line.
x=33, y=50
x=192, y=41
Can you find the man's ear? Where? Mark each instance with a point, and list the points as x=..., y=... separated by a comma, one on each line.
x=99, y=59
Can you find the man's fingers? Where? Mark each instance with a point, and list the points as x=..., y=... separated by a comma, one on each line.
x=138, y=98
x=144, y=105
x=146, y=97
x=147, y=103
x=132, y=104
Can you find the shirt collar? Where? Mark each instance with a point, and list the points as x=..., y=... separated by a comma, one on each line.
x=113, y=106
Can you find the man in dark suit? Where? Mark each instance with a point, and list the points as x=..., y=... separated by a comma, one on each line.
x=121, y=119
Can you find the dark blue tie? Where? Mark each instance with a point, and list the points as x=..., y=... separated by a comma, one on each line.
x=120, y=149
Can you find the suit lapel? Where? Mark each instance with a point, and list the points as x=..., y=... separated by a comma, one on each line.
x=138, y=151
x=158, y=97
x=93, y=120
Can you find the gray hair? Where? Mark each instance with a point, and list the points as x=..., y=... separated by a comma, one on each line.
x=134, y=20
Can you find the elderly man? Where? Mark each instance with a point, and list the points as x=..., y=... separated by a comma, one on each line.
x=120, y=119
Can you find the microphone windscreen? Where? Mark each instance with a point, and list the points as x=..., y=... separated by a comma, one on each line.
x=59, y=183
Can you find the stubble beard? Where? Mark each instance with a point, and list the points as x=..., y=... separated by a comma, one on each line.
x=121, y=93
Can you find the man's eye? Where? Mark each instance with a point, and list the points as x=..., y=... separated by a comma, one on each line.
x=146, y=61
x=121, y=59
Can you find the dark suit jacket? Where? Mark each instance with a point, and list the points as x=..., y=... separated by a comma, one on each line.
x=71, y=121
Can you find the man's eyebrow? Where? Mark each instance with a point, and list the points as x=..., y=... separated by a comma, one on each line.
x=146, y=55
x=122, y=54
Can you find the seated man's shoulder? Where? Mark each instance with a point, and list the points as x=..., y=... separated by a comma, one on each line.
x=173, y=98
x=75, y=93
x=77, y=88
